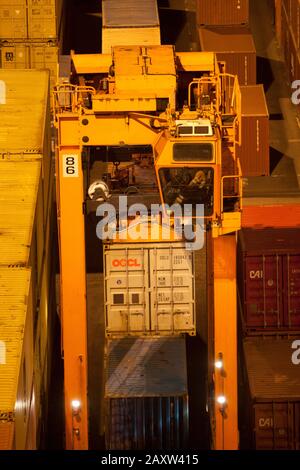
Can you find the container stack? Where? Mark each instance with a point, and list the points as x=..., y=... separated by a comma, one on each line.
x=27, y=306
x=288, y=35
x=269, y=300
x=30, y=34
x=223, y=28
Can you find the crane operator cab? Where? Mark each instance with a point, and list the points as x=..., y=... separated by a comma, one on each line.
x=186, y=165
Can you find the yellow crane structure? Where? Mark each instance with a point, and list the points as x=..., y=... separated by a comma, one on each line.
x=182, y=106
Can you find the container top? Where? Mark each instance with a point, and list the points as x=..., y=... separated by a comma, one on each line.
x=270, y=241
x=24, y=98
x=271, y=372
x=14, y=292
x=227, y=39
x=287, y=215
x=19, y=182
x=146, y=368
x=254, y=101
x=129, y=13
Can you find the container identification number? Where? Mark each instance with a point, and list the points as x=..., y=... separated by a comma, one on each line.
x=70, y=166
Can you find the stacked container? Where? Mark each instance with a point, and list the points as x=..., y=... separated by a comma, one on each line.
x=149, y=305
x=288, y=34
x=269, y=300
x=129, y=23
x=30, y=33
x=223, y=28
x=254, y=153
x=233, y=45
x=27, y=305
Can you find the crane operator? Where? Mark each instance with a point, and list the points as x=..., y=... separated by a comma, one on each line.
x=188, y=186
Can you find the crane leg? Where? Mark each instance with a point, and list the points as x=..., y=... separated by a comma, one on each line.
x=225, y=343
x=73, y=295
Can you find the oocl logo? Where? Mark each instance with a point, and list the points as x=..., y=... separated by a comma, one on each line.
x=123, y=263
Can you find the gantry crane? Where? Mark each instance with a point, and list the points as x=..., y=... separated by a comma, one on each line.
x=182, y=106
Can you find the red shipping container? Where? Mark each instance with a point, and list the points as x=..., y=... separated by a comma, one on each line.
x=254, y=153
x=269, y=279
x=269, y=398
x=278, y=19
x=280, y=216
x=222, y=12
x=233, y=45
x=294, y=21
x=291, y=274
x=285, y=35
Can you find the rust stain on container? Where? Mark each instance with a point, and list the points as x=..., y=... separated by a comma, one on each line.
x=220, y=12
x=269, y=279
x=254, y=153
x=235, y=46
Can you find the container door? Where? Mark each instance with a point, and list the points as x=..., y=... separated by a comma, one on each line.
x=15, y=56
x=273, y=426
x=172, y=291
x=126, y=291
x=13, y=22
x=42, y=20
x=45, y=57
x=291, y=290
x=263, y=292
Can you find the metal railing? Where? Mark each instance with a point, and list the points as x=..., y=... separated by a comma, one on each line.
x=68, y=98
x=236, y=193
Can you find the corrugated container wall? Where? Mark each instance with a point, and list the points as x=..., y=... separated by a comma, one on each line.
x=278, y=20
x=129, y=37
x=26, y=209
x=146, y=394
x=269, y=279
x=235, y=46
x=220, y=12
x=44, y=19
x=16, y=342
x=30, y=19
x=129, y=23
x=269, y=395
x=290, y=40
x=149, y=289
x=31, y=55
x=271, y=216
x=254, y=152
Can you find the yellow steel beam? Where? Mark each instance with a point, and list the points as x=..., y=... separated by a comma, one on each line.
x=119, y=129
x=73, y=294
x=225, y=342
x=91, y=63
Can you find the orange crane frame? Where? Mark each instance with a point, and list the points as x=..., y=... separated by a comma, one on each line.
x=77, y=127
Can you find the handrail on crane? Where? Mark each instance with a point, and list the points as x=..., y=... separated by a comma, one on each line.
x=69, y=98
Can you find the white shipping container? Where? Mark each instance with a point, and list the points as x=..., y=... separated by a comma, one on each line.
x=149, y=290
x=129, y=37
x=129, y=23
x=129, y=13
